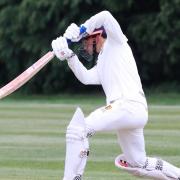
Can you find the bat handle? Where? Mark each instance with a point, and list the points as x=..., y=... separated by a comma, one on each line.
x=82, y=33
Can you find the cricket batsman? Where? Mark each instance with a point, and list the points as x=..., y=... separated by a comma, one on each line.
x=126, y=110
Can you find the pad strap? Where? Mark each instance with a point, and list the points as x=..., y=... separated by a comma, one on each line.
x=78, y=177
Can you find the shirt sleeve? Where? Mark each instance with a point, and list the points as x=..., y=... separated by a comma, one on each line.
x=110, y=24
x=82, y=74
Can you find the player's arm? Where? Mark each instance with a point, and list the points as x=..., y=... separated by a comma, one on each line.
x=110, y=24
x=83, y=75
x=62, y=52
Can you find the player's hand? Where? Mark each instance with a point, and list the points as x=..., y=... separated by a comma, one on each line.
x=61, y=49
x=72, y=33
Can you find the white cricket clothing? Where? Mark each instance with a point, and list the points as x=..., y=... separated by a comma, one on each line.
x=128, y=118
x=126, y=112
x=116, y=69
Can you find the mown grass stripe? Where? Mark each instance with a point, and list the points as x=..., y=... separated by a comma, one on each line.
x=32, y=139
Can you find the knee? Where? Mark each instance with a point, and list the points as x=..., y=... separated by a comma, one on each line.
x=75, y=133
x=122, y=161
x=76, y=128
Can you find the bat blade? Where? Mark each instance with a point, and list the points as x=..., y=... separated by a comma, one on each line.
x=26, y=75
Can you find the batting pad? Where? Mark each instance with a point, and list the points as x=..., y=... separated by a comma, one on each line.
x=121, y=163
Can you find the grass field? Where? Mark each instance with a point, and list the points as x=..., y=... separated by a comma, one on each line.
x=32, y=137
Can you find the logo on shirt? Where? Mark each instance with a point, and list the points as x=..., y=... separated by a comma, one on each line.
x=108, y=107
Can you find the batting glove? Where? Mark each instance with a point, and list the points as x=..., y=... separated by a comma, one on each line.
x=72, y=33
x=61, y=50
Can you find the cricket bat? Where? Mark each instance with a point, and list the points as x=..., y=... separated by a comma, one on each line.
x=26, y=75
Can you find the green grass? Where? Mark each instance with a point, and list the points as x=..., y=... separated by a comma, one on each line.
x=32, y=136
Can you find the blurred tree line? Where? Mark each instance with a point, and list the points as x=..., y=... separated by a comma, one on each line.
x=27, y=28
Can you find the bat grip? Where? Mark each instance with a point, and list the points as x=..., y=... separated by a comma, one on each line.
x=82, y=33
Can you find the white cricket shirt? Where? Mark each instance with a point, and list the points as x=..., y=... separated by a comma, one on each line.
x=116, y=68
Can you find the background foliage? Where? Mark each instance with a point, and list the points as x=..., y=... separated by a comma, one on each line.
x=27, y=28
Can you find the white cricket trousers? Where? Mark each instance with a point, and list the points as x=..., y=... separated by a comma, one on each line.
x=128, y=118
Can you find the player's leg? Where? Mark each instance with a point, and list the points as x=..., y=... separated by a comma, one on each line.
x=154, y=168
x=132, y=144
x=118, y=115
x=76, y=147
